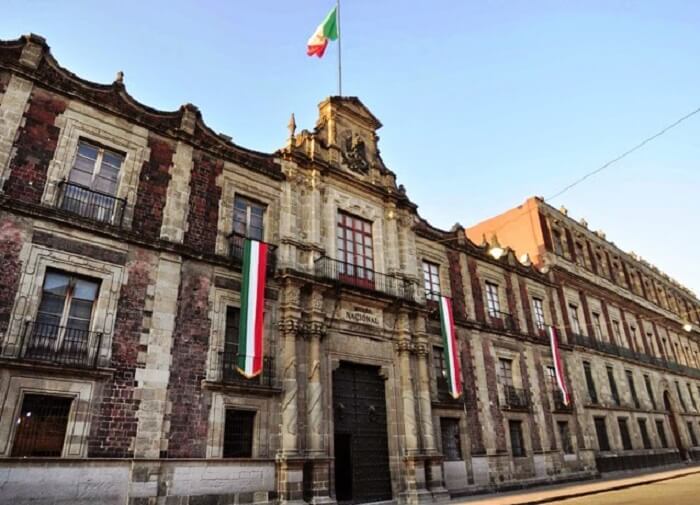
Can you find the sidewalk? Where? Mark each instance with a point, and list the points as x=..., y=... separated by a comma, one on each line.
x=548, y=494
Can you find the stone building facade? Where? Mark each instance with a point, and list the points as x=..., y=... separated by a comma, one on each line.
x=120, y=257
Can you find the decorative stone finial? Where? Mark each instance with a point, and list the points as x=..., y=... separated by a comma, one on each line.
x=525, y=260
x=564, y=210
x=584, y=223
x=292, y=127
x=119, y=79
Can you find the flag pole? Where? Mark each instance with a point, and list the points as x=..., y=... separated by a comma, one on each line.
x=340, y=75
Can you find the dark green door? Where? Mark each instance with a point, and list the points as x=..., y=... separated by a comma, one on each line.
x=361, y=446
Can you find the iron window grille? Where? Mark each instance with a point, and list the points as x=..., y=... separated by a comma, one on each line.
x=565, y=437
x=661, y=432
x=41, y=426
x=650, y=391
x=646, y=441
x=613, y=386
x=451, y=442
x=493, y=302
x=624, y=433
x=601, y=433
x=590, y=383
x=238, y=433
x=517, y=442
x=538, y=310
x=633, y=389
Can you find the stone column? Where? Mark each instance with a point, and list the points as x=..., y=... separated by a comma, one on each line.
x=290, y=464
x=424, y=407
x=314, y=399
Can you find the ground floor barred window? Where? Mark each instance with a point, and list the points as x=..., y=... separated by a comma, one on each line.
x=238, y=433
x=41, y=426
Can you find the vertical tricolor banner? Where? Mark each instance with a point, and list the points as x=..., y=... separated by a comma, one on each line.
x=558, y=367
x=449, y=339
x=250, y=334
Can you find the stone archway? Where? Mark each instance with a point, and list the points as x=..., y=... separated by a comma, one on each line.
x=668, y=405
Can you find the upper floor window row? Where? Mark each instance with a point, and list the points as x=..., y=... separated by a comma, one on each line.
x=248, y=218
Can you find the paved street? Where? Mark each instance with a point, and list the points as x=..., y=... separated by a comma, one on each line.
x=680, y=491
x=675, y=487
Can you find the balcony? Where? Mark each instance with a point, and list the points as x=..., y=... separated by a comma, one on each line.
x=558, y=402
x=59, y=345
x=364, y=278
x=231, y=376
x=501, y=320
x=443, y=392
x=624, y=352
x=515, y=398
x=236, y=242
x=89, y=204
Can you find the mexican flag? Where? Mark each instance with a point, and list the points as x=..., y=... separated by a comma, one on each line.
x=327, y=30
x=558, y=366
x=250, y=332
x=451, y=350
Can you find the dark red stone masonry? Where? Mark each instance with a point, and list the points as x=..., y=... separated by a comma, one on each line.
x=190, y=405
x=114, y=426
x=457, y=286
x=534, y=432
x=492, y=385
x=204, y=203
x=479, y=311
x=35, y=147
x=476, y=438
x=153, y=188
x=11, y=239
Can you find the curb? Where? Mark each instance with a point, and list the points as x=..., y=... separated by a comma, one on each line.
x=606, y=490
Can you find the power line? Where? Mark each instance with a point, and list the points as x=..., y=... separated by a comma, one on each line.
x=625, y=154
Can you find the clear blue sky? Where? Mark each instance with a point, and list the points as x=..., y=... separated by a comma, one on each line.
x=484, y=103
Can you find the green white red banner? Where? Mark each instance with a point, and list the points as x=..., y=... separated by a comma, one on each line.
x=250, y=334
x=327, y=30
x=451, y=349
x=558, y=366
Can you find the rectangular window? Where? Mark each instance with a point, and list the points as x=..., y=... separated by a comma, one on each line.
x=565, y=437
x=691, y=432
x=680, y=397
x=616, y=332
x=644, y=433
x=440, y=373
x=557, y=243
x=633, y=334
x=692, y=398
x=61, y=331
x=613, y=386
x=431, y=280
x=91, y=188
x=493, y=302
x=505, y=371
x=451, y=445
x=580, y=255
x=661, y=431
x=601, y=431
x=575, y=324
x=41, y=426
x=590, y=383
x=650, y=391
x=538, y=309
x=624, y=433
x=248, y=218
x=516, y=438
x=238, y=433
x=354, y=247
x=597, y=328
x=633, y=390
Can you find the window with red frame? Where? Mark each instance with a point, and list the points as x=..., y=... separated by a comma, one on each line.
x=354, y=242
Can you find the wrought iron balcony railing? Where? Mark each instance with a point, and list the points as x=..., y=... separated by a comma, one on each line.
x=502, y=320
x=443, y=392
x=624, y=352
x=558, y=402
x=515, y=398
x=231, y=375
x=364, y=278
x=87, y=203
x=60, y=345
x=236, y=242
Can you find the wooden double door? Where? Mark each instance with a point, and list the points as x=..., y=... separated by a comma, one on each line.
x=360, y=435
